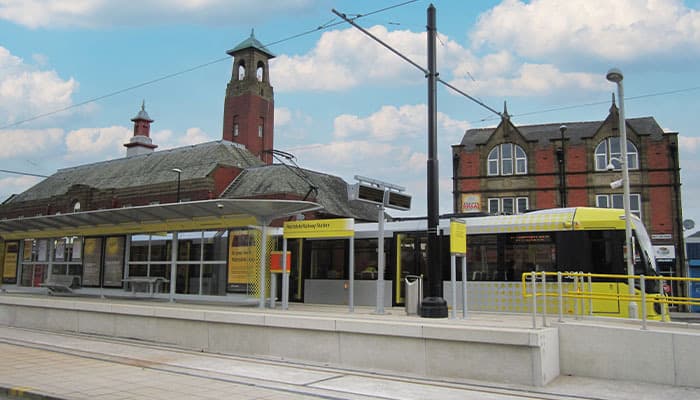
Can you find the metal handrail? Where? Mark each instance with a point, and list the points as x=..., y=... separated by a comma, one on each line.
x=579, y=293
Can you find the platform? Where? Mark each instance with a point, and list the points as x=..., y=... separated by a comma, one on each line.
x=502, y=348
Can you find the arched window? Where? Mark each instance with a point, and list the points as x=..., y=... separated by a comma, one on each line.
x=261, y=127
x=241, y=70
x=235, y=125
x=76, y=206
x=507, y=159
x=608, y=152
x=260, y=71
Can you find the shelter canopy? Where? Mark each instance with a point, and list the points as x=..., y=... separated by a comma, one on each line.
x=193, y=215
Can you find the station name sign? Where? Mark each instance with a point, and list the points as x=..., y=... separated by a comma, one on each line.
x=321, y=228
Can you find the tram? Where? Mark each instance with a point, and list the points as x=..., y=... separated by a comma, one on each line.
x=499, y=250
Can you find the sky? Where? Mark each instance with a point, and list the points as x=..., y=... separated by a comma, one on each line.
x=74, y=72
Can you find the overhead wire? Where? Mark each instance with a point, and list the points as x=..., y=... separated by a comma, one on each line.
x=325, y=26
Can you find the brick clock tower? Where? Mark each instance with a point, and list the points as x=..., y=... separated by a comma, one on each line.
x=249, y=107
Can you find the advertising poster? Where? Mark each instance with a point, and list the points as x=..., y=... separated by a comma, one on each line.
x=92, y=253
x=470, y=203
x=241, y=255
x=114, y=261
x=9, y=270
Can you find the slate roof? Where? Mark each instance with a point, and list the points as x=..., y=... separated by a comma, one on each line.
x=280, y=179
x=251, y=42
x=575, y=131
x=196, y=162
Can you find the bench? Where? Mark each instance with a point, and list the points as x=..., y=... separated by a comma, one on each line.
x=61, y=284
x=152, y=284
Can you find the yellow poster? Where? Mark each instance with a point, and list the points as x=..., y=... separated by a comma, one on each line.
x=241, y=256
x=113, y=246
x=458, y=237
x=9, y=270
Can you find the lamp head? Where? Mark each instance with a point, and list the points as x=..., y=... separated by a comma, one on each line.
x=614, y=75
x=178, y=170
x=562, y=129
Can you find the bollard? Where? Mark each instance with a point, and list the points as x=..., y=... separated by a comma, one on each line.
x=544, y=299
x=642, y=286
x=561, y=298
x=533, y=276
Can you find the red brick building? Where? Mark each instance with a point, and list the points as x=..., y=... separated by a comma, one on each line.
x=198, y=172
x=511, y=169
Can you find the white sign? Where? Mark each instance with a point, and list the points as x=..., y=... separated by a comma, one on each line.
x=665, y=252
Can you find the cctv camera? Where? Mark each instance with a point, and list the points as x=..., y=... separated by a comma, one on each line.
x=610, y=167
x=616, y=184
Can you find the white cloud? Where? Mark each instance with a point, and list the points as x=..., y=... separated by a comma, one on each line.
x=688, y=144
x=96, y=144
x=97, y=13
x=344, y=59
x=291, y=125
x=15, y=184
x=26, y=91
x=392, y=123
x=614, y=30
x=28, y=142
x=529, y=80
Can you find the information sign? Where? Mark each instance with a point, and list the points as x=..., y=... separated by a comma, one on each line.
x=320, y=228
x=458, y=237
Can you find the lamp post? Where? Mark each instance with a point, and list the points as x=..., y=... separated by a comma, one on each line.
x=615, y=75
x=562, y=168
x=178, y=171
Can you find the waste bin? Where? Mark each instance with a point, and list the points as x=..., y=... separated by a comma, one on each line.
x=414, y=293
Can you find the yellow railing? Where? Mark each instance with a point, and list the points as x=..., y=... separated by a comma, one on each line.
x=582, y=287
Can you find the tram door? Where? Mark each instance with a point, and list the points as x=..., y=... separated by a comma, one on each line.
x=411, y=257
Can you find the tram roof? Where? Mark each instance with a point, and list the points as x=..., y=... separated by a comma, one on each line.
x=193, y=215
x=555, y=219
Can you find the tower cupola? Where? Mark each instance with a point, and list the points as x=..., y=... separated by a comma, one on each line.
x=141, y=142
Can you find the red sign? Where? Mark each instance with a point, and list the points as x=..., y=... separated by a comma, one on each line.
x=276, y=261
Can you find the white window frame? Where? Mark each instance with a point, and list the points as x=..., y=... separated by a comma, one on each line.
x=515, y=163
x=615, y=200
x=609, y=149
x=497, y=204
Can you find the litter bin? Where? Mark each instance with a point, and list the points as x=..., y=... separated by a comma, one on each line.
x=414, y=293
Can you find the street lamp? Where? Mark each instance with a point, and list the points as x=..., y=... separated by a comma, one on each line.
x=561, y=156
x=178, y=171
x=615, y=75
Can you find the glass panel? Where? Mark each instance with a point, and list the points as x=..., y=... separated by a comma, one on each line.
x=160, y=247
x=522, y=204
x=617, y=201
x=493, y=162
x=521, y=166
x=601, y=201
x=507, y=159
x=366, y=259
x=327, y=259
x=494, y=206
x=508, y=206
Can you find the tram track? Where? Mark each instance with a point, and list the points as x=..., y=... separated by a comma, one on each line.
x=316, y=381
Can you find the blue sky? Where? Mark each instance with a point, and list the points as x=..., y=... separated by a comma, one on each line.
x=344, y=105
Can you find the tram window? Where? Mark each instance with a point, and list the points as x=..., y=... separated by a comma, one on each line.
x=327, y=259
x=366, y=259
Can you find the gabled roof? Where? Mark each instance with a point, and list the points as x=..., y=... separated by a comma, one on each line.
x=251, y=42
x=196, y=161
x=280, y=179
x=575, y=131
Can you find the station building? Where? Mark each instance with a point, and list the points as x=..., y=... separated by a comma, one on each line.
x=185, y=221
x=510, y=169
